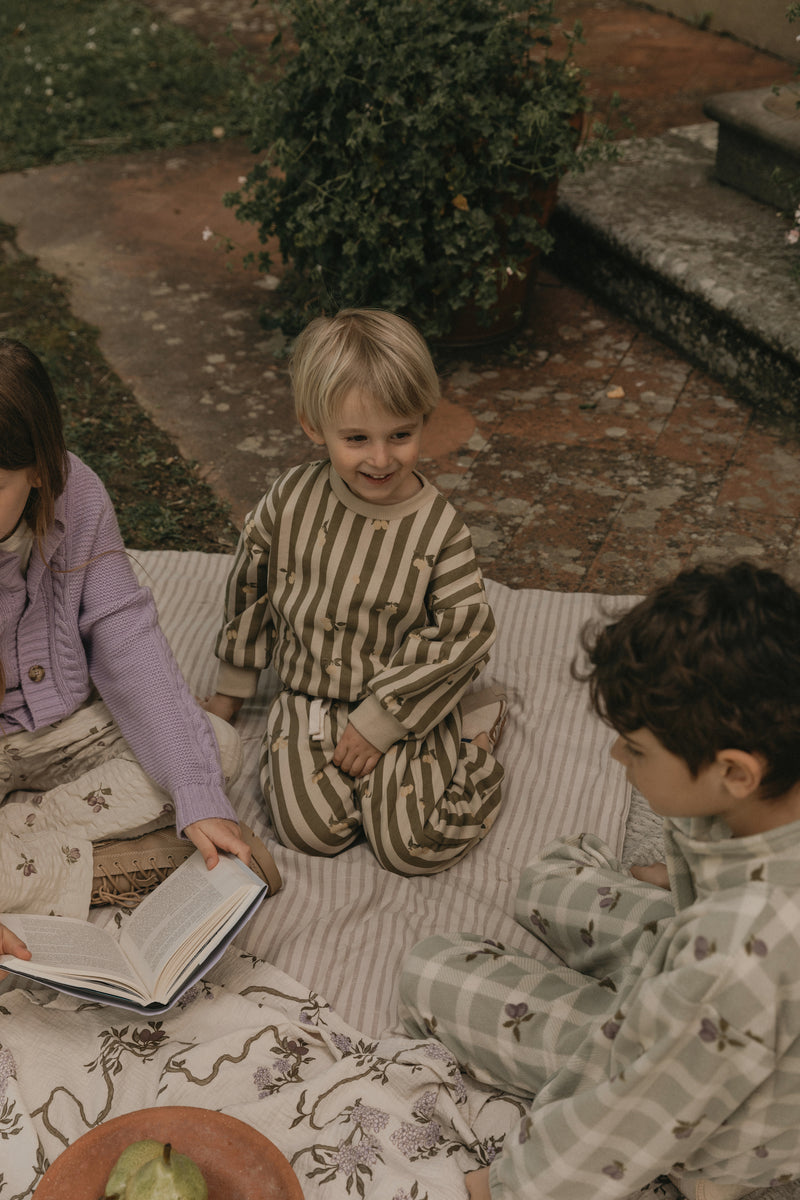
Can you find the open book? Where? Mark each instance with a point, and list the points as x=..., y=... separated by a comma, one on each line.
x=169, y=942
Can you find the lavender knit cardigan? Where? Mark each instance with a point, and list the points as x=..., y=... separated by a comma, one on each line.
x=80, y=617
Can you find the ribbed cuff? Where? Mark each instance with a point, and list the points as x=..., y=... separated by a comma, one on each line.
x=241, y=682
x=377, y=725
x=195, y=803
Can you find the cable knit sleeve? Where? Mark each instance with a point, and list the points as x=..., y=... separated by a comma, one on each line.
x=131, y=663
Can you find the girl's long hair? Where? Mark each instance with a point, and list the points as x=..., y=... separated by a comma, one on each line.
x=31, y=436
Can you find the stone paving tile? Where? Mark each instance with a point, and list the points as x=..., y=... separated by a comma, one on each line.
x=705, y=426
x=632, y=559
x=763, y=476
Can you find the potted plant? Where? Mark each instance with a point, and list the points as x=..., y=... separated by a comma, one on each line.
x=410, y=151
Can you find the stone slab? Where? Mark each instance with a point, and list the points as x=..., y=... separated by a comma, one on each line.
x=701, y=265
x=758, y=149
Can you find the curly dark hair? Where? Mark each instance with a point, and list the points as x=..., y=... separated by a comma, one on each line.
x=709, y=661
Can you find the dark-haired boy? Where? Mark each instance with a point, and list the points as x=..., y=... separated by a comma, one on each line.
x=669, y=1041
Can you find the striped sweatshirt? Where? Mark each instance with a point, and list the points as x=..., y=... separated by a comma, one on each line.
x=380, y=606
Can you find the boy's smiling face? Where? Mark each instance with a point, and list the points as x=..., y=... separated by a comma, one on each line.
x=374, y=451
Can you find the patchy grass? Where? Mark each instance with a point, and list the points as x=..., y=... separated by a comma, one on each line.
x=80, y=79
x=84, y=78
x=161, y=500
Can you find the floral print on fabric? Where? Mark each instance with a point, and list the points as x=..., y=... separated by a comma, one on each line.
x=390, y=1119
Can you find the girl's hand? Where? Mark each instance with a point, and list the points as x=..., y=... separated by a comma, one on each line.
x=478, y=1184
x=215, y=833
x=11, y=944
x=652, y=873
x=222, y=706
x=354, y=754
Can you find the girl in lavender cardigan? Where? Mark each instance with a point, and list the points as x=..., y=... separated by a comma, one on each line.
x=99, y=735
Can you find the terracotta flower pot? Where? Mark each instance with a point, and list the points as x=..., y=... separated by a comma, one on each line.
x=513, y=294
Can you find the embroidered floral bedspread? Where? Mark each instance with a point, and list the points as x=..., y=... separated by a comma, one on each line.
x=356, y=1116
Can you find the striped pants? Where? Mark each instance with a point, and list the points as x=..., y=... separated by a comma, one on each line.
x=66, y=786
x=425, y=805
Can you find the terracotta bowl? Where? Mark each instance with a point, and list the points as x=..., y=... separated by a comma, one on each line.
x=238, y=1162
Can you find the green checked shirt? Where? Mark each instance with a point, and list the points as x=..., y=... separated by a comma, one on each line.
x=692, y=1064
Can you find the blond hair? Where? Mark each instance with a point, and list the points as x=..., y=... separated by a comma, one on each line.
x=366, y=350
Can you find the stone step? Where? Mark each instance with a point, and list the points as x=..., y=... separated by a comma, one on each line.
x=703, y=266
x=758, y=150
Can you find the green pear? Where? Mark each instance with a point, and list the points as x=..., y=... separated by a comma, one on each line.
x=128, y=1164
x=171, y=1176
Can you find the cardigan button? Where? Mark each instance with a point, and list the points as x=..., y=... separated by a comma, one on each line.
x=36, y=674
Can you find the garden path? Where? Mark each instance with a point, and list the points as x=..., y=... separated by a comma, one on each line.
x=593, y=458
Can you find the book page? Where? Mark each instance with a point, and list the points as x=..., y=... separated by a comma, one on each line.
x=179, y=905
x=65, y=948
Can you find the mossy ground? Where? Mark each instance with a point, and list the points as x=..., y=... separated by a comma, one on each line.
x=80, y=79
x=161, y=500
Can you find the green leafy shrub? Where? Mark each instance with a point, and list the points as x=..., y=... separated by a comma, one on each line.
x=404, y=146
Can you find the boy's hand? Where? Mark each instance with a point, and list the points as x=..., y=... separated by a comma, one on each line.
x=11, y=944
x=222, y=706
x=215, y=833
x=652, y=873
x=354, y=754
x=478, y=1184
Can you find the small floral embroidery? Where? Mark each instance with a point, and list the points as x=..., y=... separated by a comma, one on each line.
x=27, y=866
x=756, y=946
x=148, y=1039
x=612, y=1026
x=586, y=934
x=71, y=854
x=417, y=1141
x=342, y=1043
x=614, y=1170
x=491, y=1148
x=703, y=948
x=610, y=899
x=518, y=1013
x=538, y=921
x=711, y=1032
x=436, y=1050
x=425, y=1106
x=493, y=949
x=684, y=1129
x=95, y=799
x=370, y=1120
x=8, y=1070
